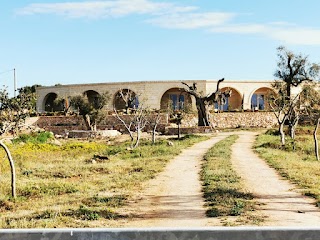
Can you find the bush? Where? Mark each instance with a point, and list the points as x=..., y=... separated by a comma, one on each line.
x=39, y=137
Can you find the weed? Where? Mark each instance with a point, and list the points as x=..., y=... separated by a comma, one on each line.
x=87, y=214
x=36, y=137
x=223, y=190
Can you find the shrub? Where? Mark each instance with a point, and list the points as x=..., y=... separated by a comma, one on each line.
x=39, y=137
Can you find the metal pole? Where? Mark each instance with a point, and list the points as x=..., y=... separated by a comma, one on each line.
x=14, y=82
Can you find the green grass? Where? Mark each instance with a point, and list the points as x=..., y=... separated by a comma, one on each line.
x=299, y=166
x=223, y=189
x=60, y=186
x=41, y=137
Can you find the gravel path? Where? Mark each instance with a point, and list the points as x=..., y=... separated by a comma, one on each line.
x=280, y=201
x=174, y=198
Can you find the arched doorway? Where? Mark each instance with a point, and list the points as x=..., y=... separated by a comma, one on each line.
x=49, y=103
x=125, y=99
x=92, y=96
x=259, y=99
x=233, y=102
x=176, y=99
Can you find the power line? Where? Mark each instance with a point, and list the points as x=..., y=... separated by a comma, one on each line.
x=7, y=71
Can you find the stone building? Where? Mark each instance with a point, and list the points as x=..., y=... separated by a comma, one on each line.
x=161, y=94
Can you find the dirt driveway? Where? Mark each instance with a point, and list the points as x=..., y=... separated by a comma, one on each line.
x=174, y=198
x=280, y=200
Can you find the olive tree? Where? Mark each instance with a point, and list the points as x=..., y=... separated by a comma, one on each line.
x=202, y=102
x=292, y=70
x=90, y=110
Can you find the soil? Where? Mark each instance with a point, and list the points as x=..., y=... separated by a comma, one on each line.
x=174, y=197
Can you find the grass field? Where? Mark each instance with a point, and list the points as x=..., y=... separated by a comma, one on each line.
x=60, y=186
x=299, y=166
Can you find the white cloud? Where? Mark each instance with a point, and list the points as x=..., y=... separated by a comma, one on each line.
x=192, y=20
x=240, y=28
x=98, y=9
x=174, y=16
x=296, y=36
x=284, y=32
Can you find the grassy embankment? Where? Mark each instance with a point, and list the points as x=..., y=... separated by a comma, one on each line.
x=224, y=191
x=60, y=186
x=299, y=166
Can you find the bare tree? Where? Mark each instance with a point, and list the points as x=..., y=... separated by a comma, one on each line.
x=128, y=98
x=134, y=123
x=202, y=102
x=154, y=120
x=293, y=70
x=285, y=111
x=310, y=107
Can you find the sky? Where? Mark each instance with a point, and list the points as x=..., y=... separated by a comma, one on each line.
x=97, y=41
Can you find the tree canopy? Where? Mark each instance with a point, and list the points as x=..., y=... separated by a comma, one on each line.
x=293, y=69
x=90, y=110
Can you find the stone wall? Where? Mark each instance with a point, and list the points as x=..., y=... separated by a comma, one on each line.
x=61, y=124
x=236, y=120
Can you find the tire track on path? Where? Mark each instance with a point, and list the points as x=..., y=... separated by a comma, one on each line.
x=280, y=202
x=174, y=198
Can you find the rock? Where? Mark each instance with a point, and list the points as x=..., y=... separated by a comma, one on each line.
x=108, y=133
x=170, y=143
x=100, y=157
x=93, y=161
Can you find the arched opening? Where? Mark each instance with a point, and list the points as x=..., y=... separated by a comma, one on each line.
x=125, y=99
x=49, y=103
x=233, y=102
x=93, y=97
x=176, y=99
x=259, y=99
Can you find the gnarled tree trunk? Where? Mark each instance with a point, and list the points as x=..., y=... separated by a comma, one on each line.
x=316, y=147
x=202, y=102
x=13, y=171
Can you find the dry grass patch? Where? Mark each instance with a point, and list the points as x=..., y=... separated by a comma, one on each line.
x=223, y=189
x=60, y=186
x=299, y=166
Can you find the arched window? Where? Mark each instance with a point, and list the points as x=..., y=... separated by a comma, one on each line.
x=49, y=103
x=93, y=97
x=259, y=99
x=231, y=103
x=175, y=99
x=125, y=99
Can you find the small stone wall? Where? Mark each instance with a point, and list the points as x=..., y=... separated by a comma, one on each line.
x=236, y=120
x=58, y=124
x=61, y=124
x=187, y=130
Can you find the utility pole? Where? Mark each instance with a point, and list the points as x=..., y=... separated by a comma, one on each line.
x=14, y=82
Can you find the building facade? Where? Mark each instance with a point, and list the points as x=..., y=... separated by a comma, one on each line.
x=247, y=95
